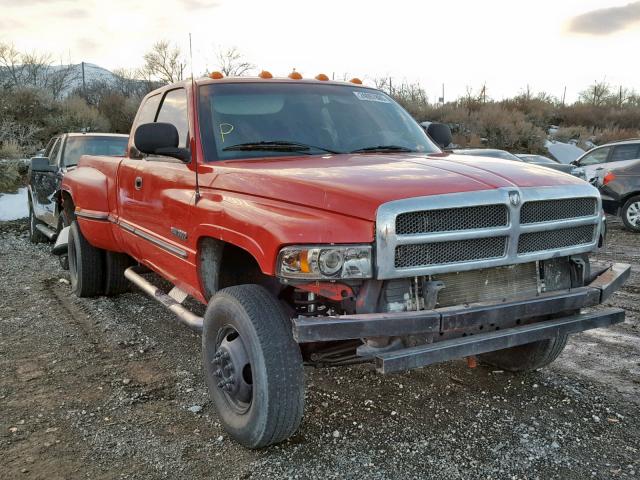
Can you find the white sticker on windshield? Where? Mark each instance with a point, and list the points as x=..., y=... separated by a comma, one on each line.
x=372, y=97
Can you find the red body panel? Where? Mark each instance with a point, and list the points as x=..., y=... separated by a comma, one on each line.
x=261, y=205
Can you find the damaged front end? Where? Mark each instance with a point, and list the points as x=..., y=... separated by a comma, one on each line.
x=466, y=275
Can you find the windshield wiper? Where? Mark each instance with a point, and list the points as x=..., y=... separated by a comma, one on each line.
x=276, y=146
x=383, y=148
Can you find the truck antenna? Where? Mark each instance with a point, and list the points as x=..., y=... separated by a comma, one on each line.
x=193, y=93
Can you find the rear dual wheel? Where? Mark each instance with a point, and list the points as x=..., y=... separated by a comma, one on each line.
x=94, y=271
x=253, y=367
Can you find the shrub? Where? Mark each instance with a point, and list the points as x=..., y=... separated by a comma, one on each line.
x=75, y=115
x=12, y=175
x=11, y=150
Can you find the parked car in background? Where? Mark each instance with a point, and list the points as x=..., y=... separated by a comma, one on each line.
x=46, y=171
x=540, y=160
x=532, y=158
x=611, y=155
x=620, y=191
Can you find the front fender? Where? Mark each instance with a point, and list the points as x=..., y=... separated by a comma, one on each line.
x=263, y=226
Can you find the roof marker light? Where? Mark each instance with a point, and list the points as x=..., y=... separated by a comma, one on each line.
x=295, y=76
x=356, y=81
x=322, y=77
x=265, y=75
x=216, y=75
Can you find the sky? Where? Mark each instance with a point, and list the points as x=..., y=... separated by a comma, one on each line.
x=545, y=44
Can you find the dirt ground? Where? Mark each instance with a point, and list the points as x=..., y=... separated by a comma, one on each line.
x=112, y=388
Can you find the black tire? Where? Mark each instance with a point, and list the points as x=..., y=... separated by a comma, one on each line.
x=114, y=279
x=64, y=258
x=274, y=407
x=86, y=265
x=631, y=214
x=526, y=358
x=35, y=235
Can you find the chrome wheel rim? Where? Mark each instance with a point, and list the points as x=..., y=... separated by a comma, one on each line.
x=633, y=214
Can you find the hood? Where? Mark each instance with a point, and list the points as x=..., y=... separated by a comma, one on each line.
x=357, y=184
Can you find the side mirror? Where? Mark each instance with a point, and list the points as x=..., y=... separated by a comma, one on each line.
x=160, y=139
x=440, y=133
x=41, y=164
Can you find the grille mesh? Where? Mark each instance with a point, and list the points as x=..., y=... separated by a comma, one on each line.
x=520, y=280
x=452, y=219
x=554, y=239
x=550, y=210
x=440, y=253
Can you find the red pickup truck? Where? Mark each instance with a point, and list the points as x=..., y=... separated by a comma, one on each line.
x=321, y=225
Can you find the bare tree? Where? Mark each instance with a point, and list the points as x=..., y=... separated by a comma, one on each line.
x=597, y=94
x=164, y=62
x=10, y=71
x=232, y=63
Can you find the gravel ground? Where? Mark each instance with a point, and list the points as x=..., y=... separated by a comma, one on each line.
x=112, y=388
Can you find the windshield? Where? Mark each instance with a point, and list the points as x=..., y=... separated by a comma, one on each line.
x=245, y=120
x=75, y=147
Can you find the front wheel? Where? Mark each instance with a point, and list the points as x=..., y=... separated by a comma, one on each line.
x=252, y=365
x=631, y=214
x=35, y=235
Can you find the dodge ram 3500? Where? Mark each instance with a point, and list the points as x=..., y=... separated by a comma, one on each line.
x=322, y=226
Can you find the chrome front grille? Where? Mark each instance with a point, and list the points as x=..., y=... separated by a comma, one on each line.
x=468, y=231
x=441, y=253
x=554, y=239
x=452, y=219
x=551, y=210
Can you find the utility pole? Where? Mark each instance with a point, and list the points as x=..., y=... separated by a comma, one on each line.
x=564, y=95
x=84, y=85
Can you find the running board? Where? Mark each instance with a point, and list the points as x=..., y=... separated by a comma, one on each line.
x=46, y=231
x=185, y=316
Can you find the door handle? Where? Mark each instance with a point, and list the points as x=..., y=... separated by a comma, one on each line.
x=138, y=183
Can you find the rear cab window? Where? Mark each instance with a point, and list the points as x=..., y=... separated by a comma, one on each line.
x=174, y=111
x=146, y=114
x=106, y=145
x=625, y=152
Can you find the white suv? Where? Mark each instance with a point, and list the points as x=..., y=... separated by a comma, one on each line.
x=611, y=155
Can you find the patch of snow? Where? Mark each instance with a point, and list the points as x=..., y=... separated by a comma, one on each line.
x=563, y=152
x=14, y=205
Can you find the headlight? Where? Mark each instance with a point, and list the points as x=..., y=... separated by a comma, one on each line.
x=321, y=262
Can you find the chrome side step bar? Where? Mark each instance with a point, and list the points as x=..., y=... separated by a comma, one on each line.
x=46, y=231
x=190, y=319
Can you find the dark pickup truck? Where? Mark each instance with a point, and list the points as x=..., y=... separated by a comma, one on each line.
x=62, y=153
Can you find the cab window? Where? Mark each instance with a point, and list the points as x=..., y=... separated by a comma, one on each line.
x=595, y=157
x=174, y=111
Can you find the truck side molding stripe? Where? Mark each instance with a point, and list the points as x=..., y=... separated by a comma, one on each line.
x=92, y=214
x=156, y=241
